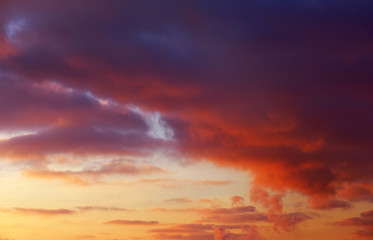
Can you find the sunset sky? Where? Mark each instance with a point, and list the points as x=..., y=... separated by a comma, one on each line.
x=186, y=120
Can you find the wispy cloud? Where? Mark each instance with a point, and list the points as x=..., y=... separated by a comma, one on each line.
x=364, y=222
x=88, y=176
x=178, y=200
x=132, y=222
x=40, y=211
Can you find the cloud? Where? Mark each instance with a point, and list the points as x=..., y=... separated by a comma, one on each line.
x=173, y=183
x=158, y=128
x=296, y=114
x=184, y=228
x=364, y=222
x=188, y=231
x=59, y=211
x=174, y=210
x=243, y=218
x=367, y=214
x=281, y=89
x=252, y=234
x=15, y=27
x=85, y=237
x=177, y=200
x=242, y=215
x=234, y=215
x=87, y=176
x=211, y=211
x=211, y=182
x=99, y=208
x=271, y=202
x=213, y=202
x=325, y=204
x=132, y=222
x=287, y=221
x=357, y=192
x=237, y=201
x=69, y=121
x=180, y=236
x=226, y=211
x=40, y=211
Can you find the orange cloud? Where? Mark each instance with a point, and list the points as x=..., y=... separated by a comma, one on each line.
x=177, y=200
x=132, y=222
x=364, y=222
x=85, y=237
x=87, y=176
x=211, y=182
x=323, y=203
x=295, y=114
x=237, y=201
x=243, y=215
x=213, y=202
x=272, y=202
x=99, y=208
x=41, y=212
x=188, y=231
x=287, y=221
x=252, y=233
x=357, y=192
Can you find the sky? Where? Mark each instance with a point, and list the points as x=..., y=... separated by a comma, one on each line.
x=186, y=120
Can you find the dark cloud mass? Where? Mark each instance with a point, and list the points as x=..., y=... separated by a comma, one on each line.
x=280, y=88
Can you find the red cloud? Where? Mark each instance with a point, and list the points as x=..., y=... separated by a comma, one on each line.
x=287, y=221
x=357, y=192
x=272, y=202
x=237, y=201
x=327, y=203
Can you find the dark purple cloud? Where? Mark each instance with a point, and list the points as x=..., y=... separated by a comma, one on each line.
x=279, y=88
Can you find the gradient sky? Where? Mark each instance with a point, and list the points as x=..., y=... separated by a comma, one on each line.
x=187, y=119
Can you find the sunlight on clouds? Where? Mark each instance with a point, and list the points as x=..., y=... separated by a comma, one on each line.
x=158, y=127
x=228, y=120
x=9, y=135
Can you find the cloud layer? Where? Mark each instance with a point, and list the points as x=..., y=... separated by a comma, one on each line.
x=282, y=90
